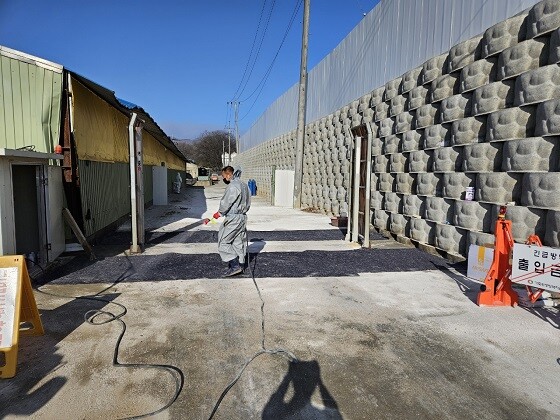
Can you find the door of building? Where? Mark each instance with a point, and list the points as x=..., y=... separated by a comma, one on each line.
x=360, y=186
x=29, y=210
x=283, y=188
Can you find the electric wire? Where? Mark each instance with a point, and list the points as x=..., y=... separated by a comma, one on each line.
x=290, y=23
x=263, y=81
x=91, y=317
x=235, y=96
x=276, y=351
x=252, y=48
x=30, y=148
x=258, y=50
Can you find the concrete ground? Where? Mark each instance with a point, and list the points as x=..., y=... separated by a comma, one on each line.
x=383, y=333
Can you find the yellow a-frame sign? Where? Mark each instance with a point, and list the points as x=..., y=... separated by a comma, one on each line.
x=18, y=310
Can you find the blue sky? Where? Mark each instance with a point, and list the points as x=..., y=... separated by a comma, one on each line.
x=182, y=61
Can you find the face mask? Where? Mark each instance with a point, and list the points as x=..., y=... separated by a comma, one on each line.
x=226, y=181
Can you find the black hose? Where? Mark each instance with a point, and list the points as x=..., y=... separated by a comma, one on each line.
x=277, y=351
x=91, y=316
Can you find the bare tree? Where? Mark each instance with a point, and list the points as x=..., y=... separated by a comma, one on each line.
x=207, y=149
x=186, y=147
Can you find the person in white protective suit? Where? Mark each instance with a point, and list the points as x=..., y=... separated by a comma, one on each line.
x=232, y=236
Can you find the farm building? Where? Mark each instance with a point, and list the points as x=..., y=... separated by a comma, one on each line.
x=48, y=109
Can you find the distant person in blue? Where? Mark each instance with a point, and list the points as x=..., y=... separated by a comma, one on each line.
x=232, y=236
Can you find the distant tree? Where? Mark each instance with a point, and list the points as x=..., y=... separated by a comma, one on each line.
x=206, y=150
x=186, y=147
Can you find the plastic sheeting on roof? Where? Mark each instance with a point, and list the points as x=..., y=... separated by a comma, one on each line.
x=127, y=104
x=149, y=124
x=101, y=133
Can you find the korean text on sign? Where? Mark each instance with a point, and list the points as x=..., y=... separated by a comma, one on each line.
x=536, y=266
x=8, y=287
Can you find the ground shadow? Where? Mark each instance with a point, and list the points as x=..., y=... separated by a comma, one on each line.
x=292, y=399
x=308, y=263
x=190, y=203
x=256, y=245
x=471, y=289
x=343, y=230
x=39, y=358
x=181, y=235
x=550, y=315
x=82, y=262
x=191, y=200
x=254, y=248
x=297, y=235
x=468, y=287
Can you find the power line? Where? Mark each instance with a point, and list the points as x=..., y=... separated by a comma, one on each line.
x=235, y=105
x=267, y=73
x=258, y=50
x=252, y=48
x=262, y=83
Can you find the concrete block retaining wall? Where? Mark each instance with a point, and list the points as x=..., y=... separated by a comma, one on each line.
x=486, y=115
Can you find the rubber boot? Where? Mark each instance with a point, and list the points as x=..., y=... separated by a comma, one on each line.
x=233, y=268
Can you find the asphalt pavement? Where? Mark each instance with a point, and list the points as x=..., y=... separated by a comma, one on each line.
x=334, y=331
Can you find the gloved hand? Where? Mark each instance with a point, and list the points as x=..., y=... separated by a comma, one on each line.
x=217, y=215
x=206, y=221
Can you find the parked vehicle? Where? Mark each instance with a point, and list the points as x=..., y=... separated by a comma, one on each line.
x=189, y=180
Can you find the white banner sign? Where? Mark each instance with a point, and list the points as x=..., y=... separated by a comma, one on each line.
x=8, y=288
x=536, y=266
x=479, y=262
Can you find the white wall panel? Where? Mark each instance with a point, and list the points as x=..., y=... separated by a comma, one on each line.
x=396, y=36
x=284, y=188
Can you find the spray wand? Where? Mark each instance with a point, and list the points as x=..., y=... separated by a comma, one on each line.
x=215, y=216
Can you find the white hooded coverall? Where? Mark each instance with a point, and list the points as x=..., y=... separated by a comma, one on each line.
x=232, y=236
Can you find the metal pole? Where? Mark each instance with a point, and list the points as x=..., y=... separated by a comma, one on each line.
x=138, y=146
x=351, y=148
x=298, y=175
x=368, y=187
x=236, y=104
x=229, y=145
x=356, y=190
x=134, y=248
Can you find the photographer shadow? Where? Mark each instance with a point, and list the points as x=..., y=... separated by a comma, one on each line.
x=38, y=379
x=292, y=399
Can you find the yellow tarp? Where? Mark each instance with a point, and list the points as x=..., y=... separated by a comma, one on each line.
x=155, y=153
x=101, y=133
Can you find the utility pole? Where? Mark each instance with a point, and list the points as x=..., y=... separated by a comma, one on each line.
x=229, y=144
x=235, y=105
x=298, y=175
